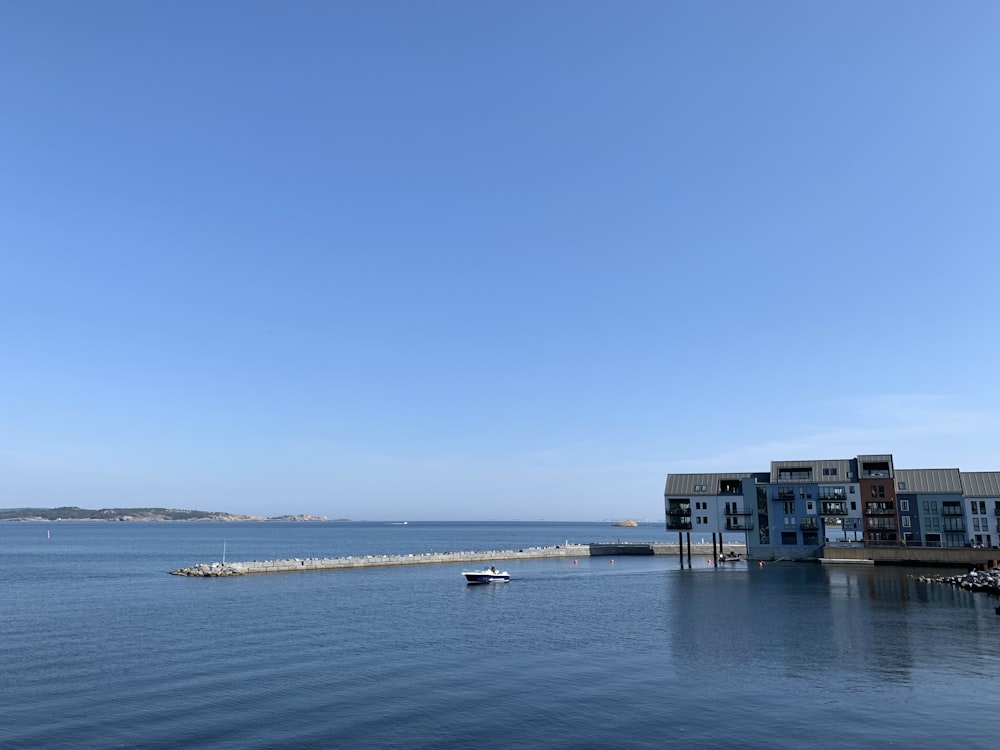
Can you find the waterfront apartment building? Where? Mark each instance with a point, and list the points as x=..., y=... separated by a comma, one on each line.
x=798, y=507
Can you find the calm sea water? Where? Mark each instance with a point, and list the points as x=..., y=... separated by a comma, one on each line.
x=100, y=648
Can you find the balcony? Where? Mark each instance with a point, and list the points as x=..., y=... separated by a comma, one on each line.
x=833, y=509
x=880, y=524
x=679, y=517
x=880, y=509
x=739, y=524
x=809, y=524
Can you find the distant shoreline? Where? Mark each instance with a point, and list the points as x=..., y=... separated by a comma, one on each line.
x=132, y=515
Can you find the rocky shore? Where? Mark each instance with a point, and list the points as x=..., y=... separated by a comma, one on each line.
x=987, y=581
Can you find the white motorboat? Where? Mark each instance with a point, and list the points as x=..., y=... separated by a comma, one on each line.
x=486, y=575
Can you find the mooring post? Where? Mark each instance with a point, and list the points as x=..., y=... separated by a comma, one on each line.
x=715, y=555
x=689, y=548
x=680, y=546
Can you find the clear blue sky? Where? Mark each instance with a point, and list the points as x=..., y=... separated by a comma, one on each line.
x=489, y=260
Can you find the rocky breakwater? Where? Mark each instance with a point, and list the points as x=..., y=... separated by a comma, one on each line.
x=219, y=570
x=210, y=570
x=987, y=581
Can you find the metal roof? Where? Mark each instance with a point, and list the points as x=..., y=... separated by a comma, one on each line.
x=843, y=467
x=876, y=457
x=981, y=483
x=929, y=480
x=684, y=484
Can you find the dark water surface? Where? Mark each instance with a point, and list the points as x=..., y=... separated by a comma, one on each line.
x=101, y=648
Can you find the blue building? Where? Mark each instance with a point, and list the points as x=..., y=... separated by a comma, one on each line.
x=799, y=507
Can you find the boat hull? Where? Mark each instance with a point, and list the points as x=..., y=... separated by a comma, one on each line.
x=485, y=576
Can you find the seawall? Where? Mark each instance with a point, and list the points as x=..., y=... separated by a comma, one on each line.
x=217, y=570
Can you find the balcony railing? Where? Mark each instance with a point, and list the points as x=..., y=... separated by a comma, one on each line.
x=876, y=510
x=739, y=513
x=678, y=524
x=736, y=524
x=881, y=524
x=809, y=524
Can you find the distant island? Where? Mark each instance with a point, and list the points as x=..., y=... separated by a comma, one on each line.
x=72, y=513
x=626, y=523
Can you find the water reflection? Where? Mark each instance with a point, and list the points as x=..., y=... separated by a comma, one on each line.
x=848, y=628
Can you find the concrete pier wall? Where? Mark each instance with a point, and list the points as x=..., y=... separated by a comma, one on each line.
x=900, y=555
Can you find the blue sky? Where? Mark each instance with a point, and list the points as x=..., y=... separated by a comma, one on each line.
x=484, y=260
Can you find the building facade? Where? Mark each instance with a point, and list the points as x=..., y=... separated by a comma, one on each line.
x=798, y=507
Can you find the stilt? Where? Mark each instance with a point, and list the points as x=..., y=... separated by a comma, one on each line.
x=689, y=549
x=715, y=554
x=680, y=546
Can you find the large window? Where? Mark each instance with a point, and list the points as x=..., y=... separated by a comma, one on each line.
x=795, y=475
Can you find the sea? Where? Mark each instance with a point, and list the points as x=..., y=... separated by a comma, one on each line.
x=101, y=648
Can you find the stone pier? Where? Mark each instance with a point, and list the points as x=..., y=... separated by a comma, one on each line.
x=218, y=570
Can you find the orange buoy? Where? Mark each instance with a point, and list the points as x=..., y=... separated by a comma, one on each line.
x=760, y=564
x=574, y=562
x=612, y=562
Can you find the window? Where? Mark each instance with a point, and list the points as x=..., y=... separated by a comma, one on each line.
x=904, y=505
x=788, y=507
x=927, y=506
x=881, y=490
x=982, y=507
x=792, y=475
x=975, y=524
x=902, y=485
x=809, y=507
x=854, y=505
x=852, y=489
x=906, y=522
